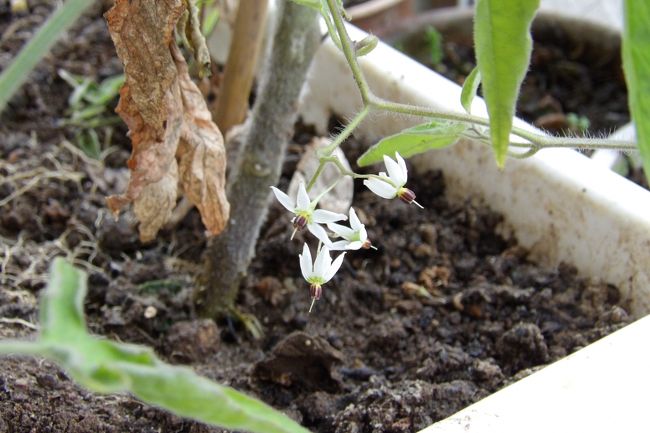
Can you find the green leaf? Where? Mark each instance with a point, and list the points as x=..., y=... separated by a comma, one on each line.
x=411, y=141
x=503, y=45
x=61, y=314
x=106, y=366
x=18, y=71
x=636, y=64
x=470, y=87
x=314, y=4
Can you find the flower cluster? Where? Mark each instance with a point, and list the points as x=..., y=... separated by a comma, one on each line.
x=354, y=237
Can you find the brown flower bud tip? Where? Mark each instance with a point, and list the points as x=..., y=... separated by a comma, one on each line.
x=366, y=244
x=408, y=196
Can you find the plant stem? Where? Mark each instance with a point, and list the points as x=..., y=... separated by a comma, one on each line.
x=232, y=104
x=370, y=101
x=260, y=160
x=347, y=131
x=38, y=46
x=348, y=51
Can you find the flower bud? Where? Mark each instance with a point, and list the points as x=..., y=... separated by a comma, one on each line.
x=406, y=195
x=365, y=45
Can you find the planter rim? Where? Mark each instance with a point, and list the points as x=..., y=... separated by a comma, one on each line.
x=369, y=8
x=575, y=26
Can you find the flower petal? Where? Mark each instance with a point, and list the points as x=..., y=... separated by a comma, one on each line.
x=381, y=188
x=284, y=199
x=356, y=245
x=339, y=245
x=363, y=234
x=394, y=171
x=323, y=262
x=305, y=262
x=402, y=165
x=334, y=267
x=302, y=201
x=320, y=233
x=354, y=220
x=324, y=216
x=341, y=231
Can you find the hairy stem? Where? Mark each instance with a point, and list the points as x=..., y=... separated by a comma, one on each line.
x=372, y=102
x=260, y=160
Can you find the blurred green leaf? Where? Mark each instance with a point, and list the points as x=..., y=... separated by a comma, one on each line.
x=470, y=87
x=88, y=141
x=636, y=64
x=106, y=366
x=210, y=21
x=411, y=141
x=503, y=45
x=434, y=41
x=106, y=91
x=17, y=72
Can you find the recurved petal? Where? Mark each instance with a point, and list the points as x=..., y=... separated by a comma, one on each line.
x=320, y=233
x=355, y=245
x=334, y=267
x=302, y=201
x=402, y=165
x=354, y=220
x=394, y=171
x=305, y=262
x=323, y=262
x=381, y=188
x=363, y=234
x=341, y=231
x=322, y=216
x=284, y=199
x=339, y=245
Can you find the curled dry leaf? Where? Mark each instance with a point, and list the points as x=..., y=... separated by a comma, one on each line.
x=176, y=146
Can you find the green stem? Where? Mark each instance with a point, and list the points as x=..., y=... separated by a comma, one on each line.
x=38, y=46
x=345, y=172
x=343, y=135
x=538, y=140
x=370, y=101
x=348, y=51
x=317, y=173
x=347, y=131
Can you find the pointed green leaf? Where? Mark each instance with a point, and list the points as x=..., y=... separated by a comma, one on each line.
x=106, y=366
x=470, y=87
x=14, y=75
x=411, y=141
x=636, y=64
x=503, y=46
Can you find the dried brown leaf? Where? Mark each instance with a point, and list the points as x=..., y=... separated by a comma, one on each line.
x=167, y=119
x=201, y=154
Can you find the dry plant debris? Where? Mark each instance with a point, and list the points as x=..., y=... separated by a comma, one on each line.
x=176, y=146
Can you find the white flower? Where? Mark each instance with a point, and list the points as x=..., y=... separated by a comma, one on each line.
x=322, y=270
x=392, y=186
x=354, y=237
x=306, y=213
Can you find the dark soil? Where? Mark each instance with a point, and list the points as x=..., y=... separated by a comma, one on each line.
x=446, y=311
x=567, y=78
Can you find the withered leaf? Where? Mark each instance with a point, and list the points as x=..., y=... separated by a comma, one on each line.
x=176, y=148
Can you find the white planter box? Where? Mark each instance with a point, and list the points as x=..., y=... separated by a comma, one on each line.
x=560, y=205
